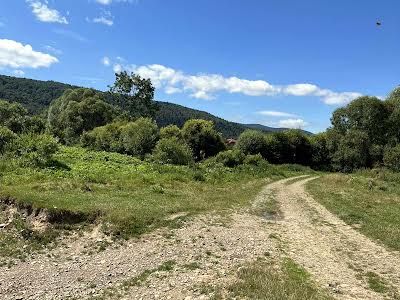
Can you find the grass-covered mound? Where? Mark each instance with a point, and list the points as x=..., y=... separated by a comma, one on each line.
x=129, y=195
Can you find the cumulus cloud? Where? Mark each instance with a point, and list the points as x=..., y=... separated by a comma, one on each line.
x=16, y=55
x=278, y=114
x=293, y=123
x=45, y=14
x=206, y=86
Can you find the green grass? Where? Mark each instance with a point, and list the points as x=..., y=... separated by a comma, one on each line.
x=376, y=283
x=264, y=280
x=368, y=200
x=131, y=196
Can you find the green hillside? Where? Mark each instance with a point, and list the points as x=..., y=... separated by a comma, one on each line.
x=37, y=95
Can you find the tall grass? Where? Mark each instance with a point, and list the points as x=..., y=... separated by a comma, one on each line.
x=134, y=196
x=369, y=200
x=266, y=280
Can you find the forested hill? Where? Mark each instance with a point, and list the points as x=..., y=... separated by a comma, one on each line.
x=37, y=95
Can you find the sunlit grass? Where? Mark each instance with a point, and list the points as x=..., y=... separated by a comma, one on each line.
x=368, y=200
x=132, y=196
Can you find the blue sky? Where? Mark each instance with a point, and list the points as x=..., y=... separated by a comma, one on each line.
x=278, y=63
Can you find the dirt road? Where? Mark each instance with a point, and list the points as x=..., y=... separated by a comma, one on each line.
x=206, y=252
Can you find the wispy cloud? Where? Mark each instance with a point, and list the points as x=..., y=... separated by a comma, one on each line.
x=105, y=18
x=104, y=21
x=16, y=55
x=45, y=14
x=293, y=123
x=70, y=34
x=108, y=2
x=53, y=50
x=106, y=61
x=207, y=86
x=278, y=114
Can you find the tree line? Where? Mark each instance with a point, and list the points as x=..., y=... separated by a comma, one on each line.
x=364, y=134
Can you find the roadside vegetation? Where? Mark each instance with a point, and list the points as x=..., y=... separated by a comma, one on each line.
x=264, y=279
x=368, y=200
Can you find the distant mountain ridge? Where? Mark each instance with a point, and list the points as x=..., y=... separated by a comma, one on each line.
x=36, y=96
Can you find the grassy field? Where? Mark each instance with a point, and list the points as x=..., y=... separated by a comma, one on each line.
x=368, y=200
x=129, y=195
x=265, y=280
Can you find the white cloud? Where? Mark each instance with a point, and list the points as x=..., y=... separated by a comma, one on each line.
x=172, y=90
x=103, y=20
x=278, y=114
x=15, y=55
x=45, y=14
x=293, y=123
x=18, y=73
x=52, y=49
x=106, y=61
x=108, y=2
x=106, y=18
x=104, y=2
x=206, y=86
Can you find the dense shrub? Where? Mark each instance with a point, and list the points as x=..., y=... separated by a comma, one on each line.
x=202, y=138
x=77, y=111
x=352, y=152
x=6, y=137
x=320, y=157
x=34, y=149
x=299, y=148
x=140, y=137
x=255, y=160
x=172, y=151
x=171, y=131
x=230, y=158
x=391, y=158
x=104, y=138
x=252, y=142
x=15, y=117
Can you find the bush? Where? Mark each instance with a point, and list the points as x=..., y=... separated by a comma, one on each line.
x=6, y=137
x=352, y=152
x=140, y=137
x=252, y=142
x=35, y=150
x=171, y=131
x=173, y=151
x=202, y=138
x=104, y=138
x=255, y=160
x=391, y=158
x=300, y=149
x=230, y=158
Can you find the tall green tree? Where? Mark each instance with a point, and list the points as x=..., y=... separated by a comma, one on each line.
x=135, y=94
x=202, y=138
x=77, y=111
